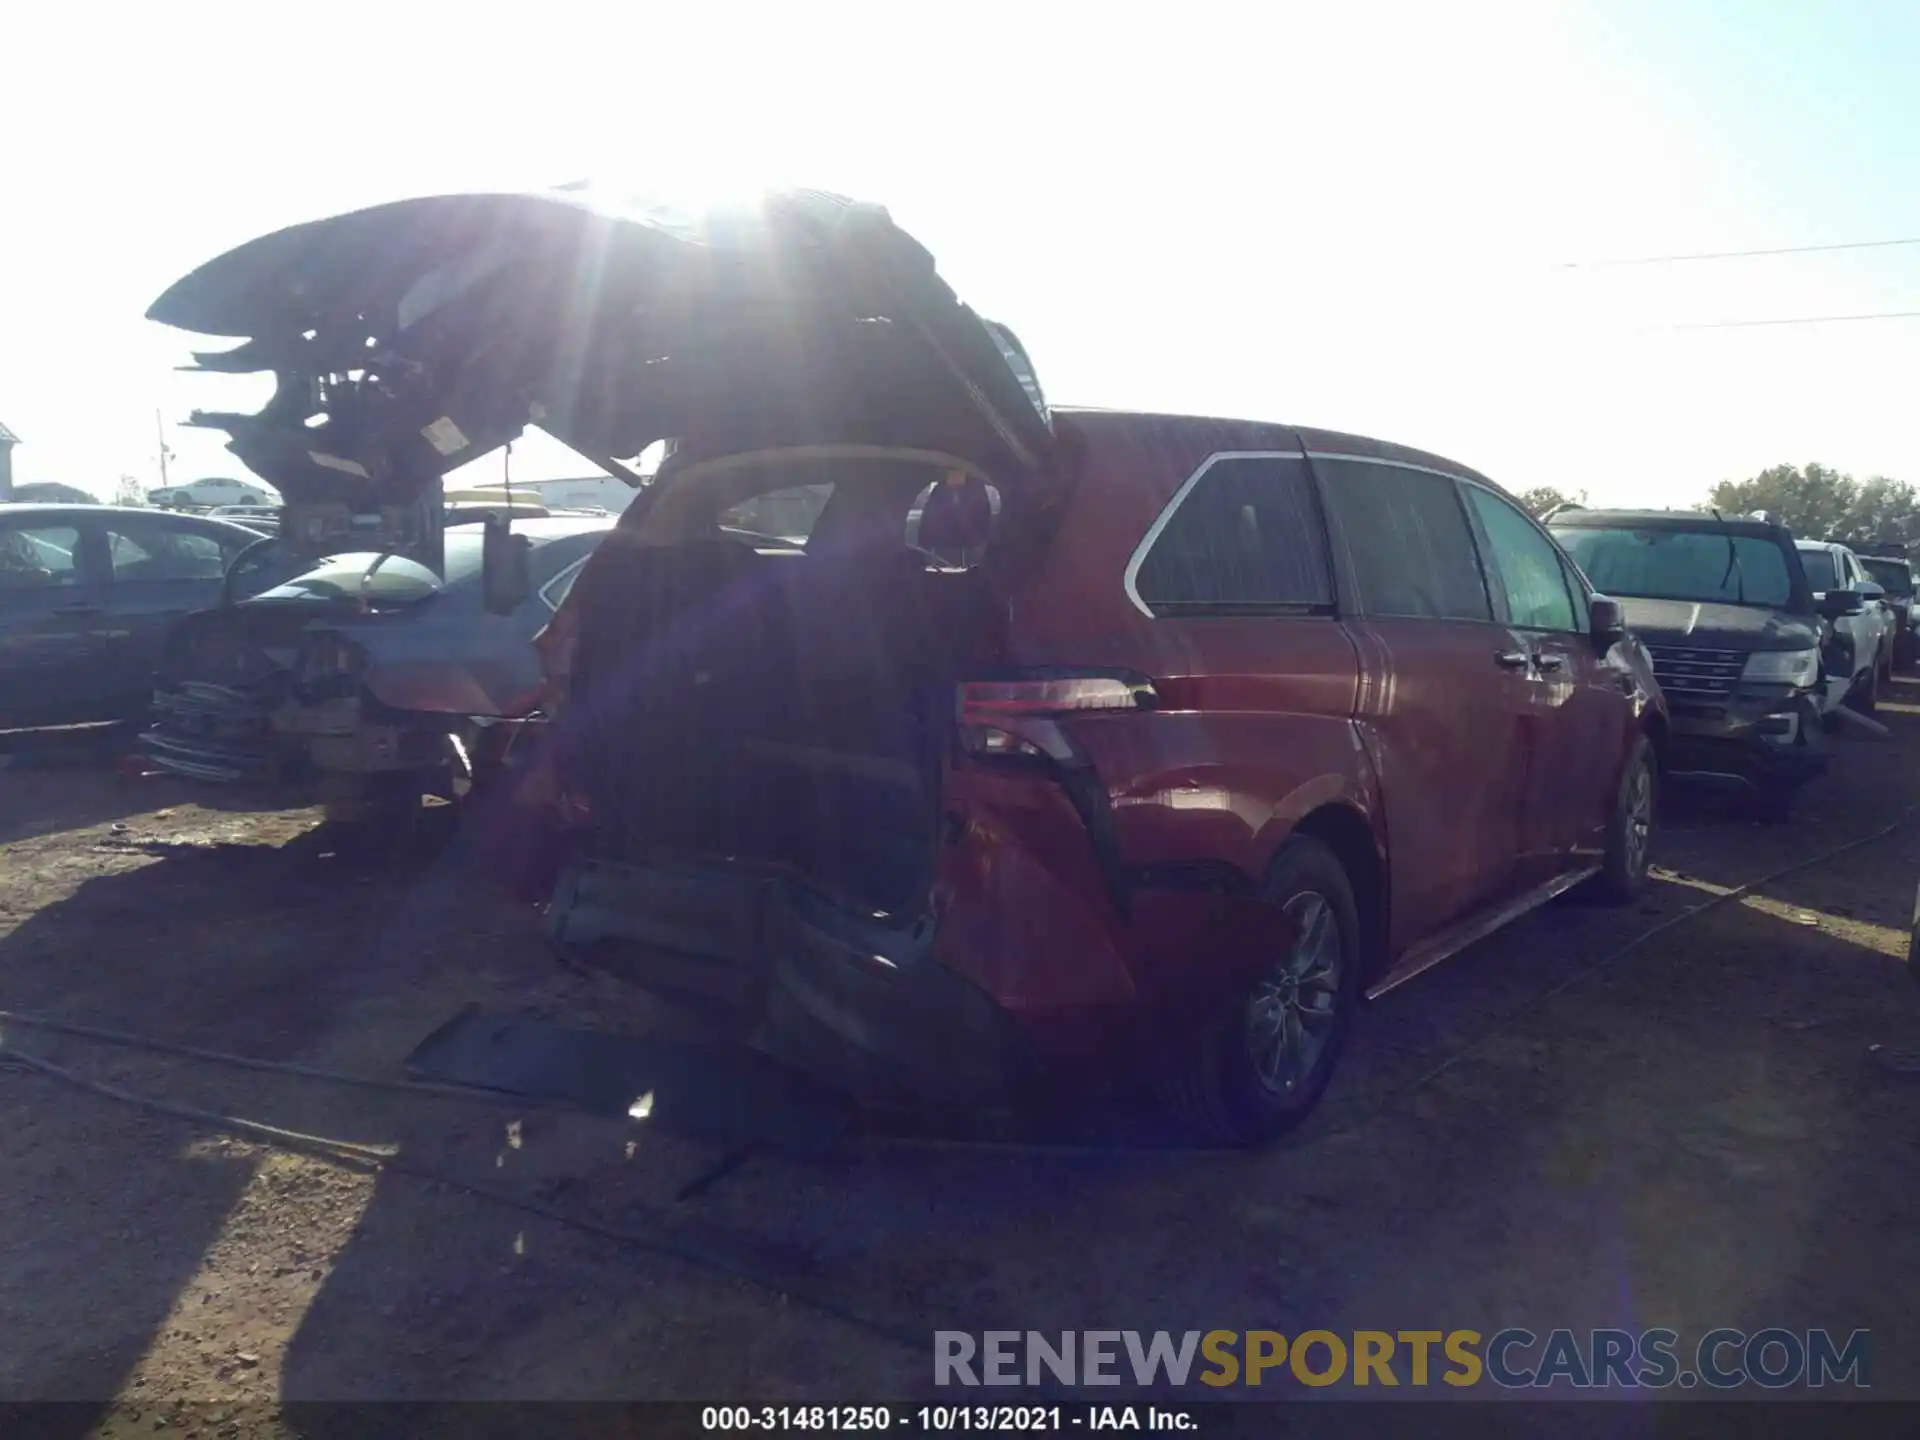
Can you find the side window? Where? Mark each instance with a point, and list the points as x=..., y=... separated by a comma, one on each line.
x=39, y=557
x=1408, y=540
x=1525, y=565
x=152, y=550
x=1577, y=586
x=1244, y=539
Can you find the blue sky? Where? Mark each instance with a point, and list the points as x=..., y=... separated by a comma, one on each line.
x=1357, y=215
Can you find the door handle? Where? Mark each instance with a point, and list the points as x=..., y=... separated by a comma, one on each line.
x=1513, y=659
x=1550, y=660
x=77, y=608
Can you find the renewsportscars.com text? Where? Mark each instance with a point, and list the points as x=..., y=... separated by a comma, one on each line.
x=1512, y=1358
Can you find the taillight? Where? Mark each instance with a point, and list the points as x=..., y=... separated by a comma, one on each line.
x=1014, y=716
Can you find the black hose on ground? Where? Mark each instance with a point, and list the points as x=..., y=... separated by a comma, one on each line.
x=130, y=1041
x=389, y=1160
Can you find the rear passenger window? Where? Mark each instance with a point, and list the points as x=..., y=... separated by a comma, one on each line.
x=1245, y=539
x=1408, y=540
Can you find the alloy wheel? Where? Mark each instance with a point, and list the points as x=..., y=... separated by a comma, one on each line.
x=1639, y=819
x=1291, y=1013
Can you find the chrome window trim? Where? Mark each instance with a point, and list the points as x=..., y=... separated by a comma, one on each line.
x=1352, y=459
x=566, y=574
x=1578, y=601
x=1167, y=512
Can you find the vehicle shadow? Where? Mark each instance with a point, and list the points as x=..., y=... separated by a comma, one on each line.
x=1615, y=1156
x=84, y=1294
x=113, y=1215
x=1547, y=1131
x=46, y=795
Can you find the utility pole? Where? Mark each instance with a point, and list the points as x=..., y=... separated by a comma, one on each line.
x=160, y=429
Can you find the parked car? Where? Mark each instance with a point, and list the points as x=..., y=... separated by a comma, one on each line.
x=364, y=682
x=1233, y=723
x=1861, y=620
x=1894, y=572
x=207, y=494
x=87, y=595
x=1735, y=635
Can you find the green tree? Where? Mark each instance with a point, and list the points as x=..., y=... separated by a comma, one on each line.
x=1543, y=498
x=1819, y=503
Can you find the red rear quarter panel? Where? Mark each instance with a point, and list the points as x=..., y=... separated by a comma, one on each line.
x=1253, y=733
x=1255, y=725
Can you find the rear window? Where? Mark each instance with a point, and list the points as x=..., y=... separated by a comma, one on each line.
x=1408, y=539
x=1894, y=575
x=1245, y=539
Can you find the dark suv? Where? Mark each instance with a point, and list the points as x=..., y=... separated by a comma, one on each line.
x=1212, y=729
x=1723, y=607
x=1888, y=564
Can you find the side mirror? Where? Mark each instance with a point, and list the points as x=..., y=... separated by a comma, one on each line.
x=1607, y=622
x=1873, y=590
x=506, y=566
x=1838, y=604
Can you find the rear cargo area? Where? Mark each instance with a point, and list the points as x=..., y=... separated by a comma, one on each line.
x=771, y=709
x=764, y=673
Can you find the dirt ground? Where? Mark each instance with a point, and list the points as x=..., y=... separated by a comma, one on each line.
x=1690, y=1134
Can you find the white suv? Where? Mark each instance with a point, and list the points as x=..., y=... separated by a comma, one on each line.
x=1869, y=630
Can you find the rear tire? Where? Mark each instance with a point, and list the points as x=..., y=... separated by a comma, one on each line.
x=1259, y=1067
x=1623, y=874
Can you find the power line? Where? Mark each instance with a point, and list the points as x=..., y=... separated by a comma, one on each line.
x=1787, y=320
x=1737, y=254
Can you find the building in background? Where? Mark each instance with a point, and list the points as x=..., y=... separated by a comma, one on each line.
x=49, y=492
x=590, y=492
x=7, y=441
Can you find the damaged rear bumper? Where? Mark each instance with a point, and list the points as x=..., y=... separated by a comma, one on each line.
x=895, y=1014
x=865, y=1007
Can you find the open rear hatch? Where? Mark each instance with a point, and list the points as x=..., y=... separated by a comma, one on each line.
x=745, y=715
x=410, y=338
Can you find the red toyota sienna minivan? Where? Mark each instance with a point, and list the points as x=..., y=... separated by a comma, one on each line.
x=938, y=740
